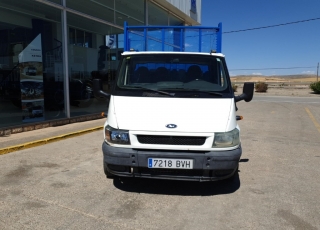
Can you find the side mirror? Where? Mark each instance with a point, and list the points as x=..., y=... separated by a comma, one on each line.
x=247, y=94
x=97, y=88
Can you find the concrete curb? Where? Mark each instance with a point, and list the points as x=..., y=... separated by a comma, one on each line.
x=47, y=140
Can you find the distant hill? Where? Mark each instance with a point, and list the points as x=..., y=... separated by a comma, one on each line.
x=278, y=76
x=275, y=78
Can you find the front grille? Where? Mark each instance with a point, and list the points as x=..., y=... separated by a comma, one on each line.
x=170, y=140
x=171, y=172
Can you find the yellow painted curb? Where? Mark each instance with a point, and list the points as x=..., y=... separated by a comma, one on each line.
x=47, y=141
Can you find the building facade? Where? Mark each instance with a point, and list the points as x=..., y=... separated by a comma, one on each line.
x=51, y=50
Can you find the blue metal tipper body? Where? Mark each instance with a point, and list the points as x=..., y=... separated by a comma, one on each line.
x=173, y=38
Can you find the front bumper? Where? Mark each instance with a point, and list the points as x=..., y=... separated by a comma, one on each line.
x=207, y=166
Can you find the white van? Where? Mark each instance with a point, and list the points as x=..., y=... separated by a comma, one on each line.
x=172, y=115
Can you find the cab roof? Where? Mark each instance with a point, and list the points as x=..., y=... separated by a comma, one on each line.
x=126, y=53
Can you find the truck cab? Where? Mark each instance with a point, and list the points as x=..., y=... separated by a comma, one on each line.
x=172, y=114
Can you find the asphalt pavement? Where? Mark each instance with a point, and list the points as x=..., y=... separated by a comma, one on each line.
x=61, y=185
x=287, y=99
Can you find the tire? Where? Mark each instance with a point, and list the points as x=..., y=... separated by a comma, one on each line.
x=107, y=173
x=85, y=96
x=234, y=175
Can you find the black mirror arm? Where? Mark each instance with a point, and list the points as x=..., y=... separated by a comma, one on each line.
x=235, y=104
x=240, y=97
x=97, y=88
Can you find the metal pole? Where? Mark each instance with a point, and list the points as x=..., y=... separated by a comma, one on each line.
x=146, y=12
x=317, y=71
x=65, y=58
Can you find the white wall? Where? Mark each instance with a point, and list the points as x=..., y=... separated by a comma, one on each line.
x=185, y=7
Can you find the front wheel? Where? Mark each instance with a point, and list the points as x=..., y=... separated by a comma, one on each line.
x=234, y=175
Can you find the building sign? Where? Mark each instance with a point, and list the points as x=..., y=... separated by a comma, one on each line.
x=31, y=81
x=193, y=10
x=110, y=41
x=193, y=6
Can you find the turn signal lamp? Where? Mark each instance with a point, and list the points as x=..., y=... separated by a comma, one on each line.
x=103, y=114
x=239, y=118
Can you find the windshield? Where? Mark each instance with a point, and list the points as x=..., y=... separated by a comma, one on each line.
x=177, y=73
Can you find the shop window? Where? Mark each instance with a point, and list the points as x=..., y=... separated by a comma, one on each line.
x=72, y=36
x=129, y=11
x=87, y=39
x=80, y=38
x=56, y=1
x=174, y=21
x=156, y=15
x=120, y=40
x=92, y=53
x=101, y=9
x=31, y=63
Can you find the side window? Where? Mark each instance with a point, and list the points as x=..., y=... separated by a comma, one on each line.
x=124, y=72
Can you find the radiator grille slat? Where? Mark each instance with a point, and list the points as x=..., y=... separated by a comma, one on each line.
x=170, y=140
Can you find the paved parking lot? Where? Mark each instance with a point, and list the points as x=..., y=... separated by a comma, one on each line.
x=62, y=186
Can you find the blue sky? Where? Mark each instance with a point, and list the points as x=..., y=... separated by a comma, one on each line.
x=295, y=45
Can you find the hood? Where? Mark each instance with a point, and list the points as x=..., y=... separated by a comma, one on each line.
x=188, y=114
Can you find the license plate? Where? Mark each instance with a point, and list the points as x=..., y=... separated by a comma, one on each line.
x=170, y=163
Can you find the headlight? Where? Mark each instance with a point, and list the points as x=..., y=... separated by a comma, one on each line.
x=117, y=136
x=227, y=139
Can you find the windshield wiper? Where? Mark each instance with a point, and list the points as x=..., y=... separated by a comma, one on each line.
x=211, y=93
x=197, y=90
x=154, y=90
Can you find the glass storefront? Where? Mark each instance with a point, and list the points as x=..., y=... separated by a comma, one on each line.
x=130, y=11
x=98, y=8
x=156, y=15
x=93, y=53
x=56, y=1
x=174, y=21
x=31, y=63
x=35, y=63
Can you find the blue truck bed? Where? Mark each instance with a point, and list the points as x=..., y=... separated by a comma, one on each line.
x=173, y=38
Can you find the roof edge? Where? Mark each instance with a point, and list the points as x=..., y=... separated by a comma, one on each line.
x=175, y=10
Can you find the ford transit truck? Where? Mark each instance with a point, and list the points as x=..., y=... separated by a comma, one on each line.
x=172, y=109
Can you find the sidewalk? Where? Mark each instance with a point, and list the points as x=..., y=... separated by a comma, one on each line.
x=38, y=137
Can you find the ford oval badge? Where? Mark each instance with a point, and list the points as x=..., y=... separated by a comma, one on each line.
x=171, y=126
